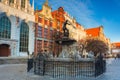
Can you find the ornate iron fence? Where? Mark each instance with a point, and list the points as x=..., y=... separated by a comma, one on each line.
x=69, y=68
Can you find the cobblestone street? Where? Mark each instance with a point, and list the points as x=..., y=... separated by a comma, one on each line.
x=18, y=72
x=112, y=72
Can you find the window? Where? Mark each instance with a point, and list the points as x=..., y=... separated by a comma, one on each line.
x=51, y=34
x=23, y=3
x=24, y=37
x=58, y=27
x=51, y=24
x=39, y=45
x=11, y=1
x=51, y=45
x=5, y=27
x=40, y=20
x=45, y=32
x=39, y=31
x=45, y=44
x=58, y=23
x=45, y=22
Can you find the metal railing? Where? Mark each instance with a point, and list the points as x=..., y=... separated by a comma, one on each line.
x=63, y=69
x=100, y=67
x=60, y=69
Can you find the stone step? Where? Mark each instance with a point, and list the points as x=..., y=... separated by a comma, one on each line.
x=13, y=60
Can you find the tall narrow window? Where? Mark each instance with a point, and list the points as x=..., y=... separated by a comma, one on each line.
x=5, y=27
x=45, y=33
x=40, y=20
x=39, y=45
x=45, y=22
x=51, y=34
x=51, y=24
x=45, y=44
x=39, y=31
x=23, y=3
x=24, y=37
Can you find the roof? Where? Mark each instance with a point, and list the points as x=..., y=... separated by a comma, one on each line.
x=117, y=44
x=56, y=11
x=93, y=31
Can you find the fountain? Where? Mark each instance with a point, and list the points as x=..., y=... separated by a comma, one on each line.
x=69, y=63
x=66, y=43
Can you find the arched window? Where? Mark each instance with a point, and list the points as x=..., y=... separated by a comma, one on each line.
x=5, y=27
x=24, y=37
x=23, y=3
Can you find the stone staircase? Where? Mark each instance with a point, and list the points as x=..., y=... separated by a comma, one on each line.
x=13, y=60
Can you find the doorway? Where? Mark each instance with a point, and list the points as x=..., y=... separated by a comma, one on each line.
x=4, y=50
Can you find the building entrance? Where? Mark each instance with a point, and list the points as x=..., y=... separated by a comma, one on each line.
x=4, y=50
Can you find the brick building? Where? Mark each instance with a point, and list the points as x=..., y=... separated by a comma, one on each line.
x=44, y=28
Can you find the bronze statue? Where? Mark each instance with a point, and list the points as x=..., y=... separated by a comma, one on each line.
x=66, y=31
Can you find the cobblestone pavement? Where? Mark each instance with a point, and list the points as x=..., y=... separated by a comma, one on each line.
x=113, y=71
x=18, y=72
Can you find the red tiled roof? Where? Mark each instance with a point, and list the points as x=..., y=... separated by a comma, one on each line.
x=116, y=44
x=93, y=31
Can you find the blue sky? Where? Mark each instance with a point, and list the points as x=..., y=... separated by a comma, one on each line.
x=92, y=13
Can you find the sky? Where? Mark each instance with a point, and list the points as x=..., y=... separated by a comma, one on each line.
x=91, y=13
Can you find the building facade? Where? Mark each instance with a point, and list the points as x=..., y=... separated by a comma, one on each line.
x=76, y=31
x=44, y=28
x=98, y=33
x=59, y=20
x=16, y=28
x=49, y=26
x=116, y=49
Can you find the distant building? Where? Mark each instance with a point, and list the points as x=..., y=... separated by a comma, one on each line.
x=16, y=28
x=98, y=33
x=116, y=48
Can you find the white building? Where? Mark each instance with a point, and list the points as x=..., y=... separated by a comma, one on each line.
x=16, y=28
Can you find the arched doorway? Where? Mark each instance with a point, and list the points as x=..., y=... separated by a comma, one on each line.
x=4, y=50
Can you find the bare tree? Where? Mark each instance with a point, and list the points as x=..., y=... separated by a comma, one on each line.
x=96, y=46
